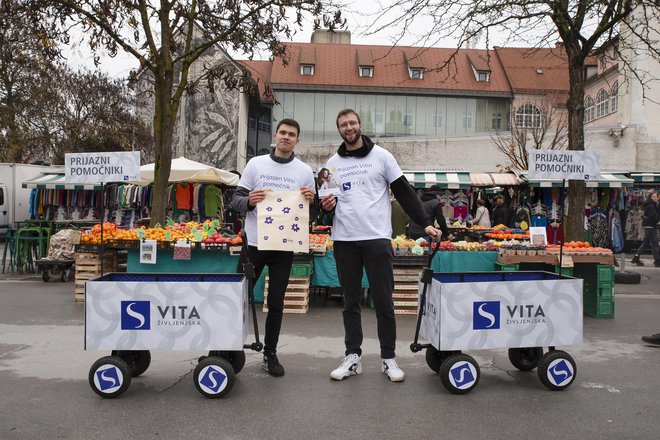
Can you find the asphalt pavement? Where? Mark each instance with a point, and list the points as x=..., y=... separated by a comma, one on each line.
x=46, y=395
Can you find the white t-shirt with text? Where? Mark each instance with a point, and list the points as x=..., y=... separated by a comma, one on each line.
x=262, y=172
x=363, y=209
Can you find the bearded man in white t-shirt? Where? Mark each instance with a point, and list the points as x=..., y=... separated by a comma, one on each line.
x=278, y=171
x=361, y=232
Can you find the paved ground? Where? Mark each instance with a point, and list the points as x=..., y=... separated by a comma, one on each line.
x=45, y=394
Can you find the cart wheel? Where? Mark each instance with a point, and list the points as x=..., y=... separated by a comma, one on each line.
x=235, y=358
x=459, y=373
x=45, y=275
x=109, y=376
x=526, y=358
x=557, y=370
x=214, y=377
x=434, y=357
x=138, y=360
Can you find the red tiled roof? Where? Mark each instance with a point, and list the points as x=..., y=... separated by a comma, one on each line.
x=521, y=66
x=260, y=71
x=336, y=68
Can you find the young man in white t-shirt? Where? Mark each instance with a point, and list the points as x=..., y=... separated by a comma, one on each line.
x=361, y=232
x=278, y=171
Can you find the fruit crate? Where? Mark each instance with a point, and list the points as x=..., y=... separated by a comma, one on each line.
x=598, y=296
x=501, y=267
x=298, y=270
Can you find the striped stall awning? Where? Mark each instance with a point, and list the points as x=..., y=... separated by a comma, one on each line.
x=57, y=181
x=439, y=179
x=646, y=176
x=504, y=179
x=607, y=180
x=481, y=179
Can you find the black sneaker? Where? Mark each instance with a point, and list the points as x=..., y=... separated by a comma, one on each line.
x=653, y=339
x=272, y=365
x=637, y=261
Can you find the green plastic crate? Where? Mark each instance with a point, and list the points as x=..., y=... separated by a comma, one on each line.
x=599, y=309
x=565, y=271
x=301, y=270
x=500, y=267
x=298, y=270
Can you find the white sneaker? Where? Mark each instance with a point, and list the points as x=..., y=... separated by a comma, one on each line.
x=350, y=366
x=392, y=370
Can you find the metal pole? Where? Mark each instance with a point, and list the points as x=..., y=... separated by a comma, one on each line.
x=102, y=220
x=561, y=243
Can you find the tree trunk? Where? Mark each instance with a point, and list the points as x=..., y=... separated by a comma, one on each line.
x=575, y=105
x=164, y=119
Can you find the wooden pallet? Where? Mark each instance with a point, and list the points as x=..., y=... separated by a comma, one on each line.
x=296, y=296
x=406, y=289
x=88, y=266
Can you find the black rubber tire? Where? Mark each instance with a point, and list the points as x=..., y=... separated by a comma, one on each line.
x=235, y=358
x=625, y=277
x=434, y=357
x=117, y=371
x=138, y=360
x=465, y=365
x=45, y=275
x=214, y=377
x=557, y=365
x=525, y=358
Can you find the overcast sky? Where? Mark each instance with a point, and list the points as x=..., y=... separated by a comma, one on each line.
x=357, y=23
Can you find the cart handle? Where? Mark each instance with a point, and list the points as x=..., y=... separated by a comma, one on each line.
x=427, y=277
x=248, y=270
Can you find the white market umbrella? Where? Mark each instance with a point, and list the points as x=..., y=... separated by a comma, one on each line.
x=186, y=170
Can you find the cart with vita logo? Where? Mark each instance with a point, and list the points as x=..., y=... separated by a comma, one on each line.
x=133, y=313
x=520, y=311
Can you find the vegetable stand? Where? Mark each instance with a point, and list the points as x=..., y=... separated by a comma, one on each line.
x=133, y=313
x=521, y=311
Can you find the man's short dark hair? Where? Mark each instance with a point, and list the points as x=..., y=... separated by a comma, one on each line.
x=347, y=111
x=290, y=122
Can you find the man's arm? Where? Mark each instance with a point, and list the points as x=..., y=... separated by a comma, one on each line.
x=409, y=201
x=240, y=201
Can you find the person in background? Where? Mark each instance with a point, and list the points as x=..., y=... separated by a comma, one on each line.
x=361, y=231
x=280, y=167
x=481, y=216
x=650, y=224
x=399, y=217
x=433, y=209
x=501, y=212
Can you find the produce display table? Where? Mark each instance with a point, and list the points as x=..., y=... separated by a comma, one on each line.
x=201, y=261
x=464, y=261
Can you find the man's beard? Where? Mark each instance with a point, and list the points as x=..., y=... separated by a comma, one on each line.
x=357, y=134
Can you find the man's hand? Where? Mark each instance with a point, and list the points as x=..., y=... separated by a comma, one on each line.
x=308, y=193
x=433, y=232
x=256, y=196
x=329, y=202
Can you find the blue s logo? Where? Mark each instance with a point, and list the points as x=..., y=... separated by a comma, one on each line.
x=212, y=379
x=560, y=372
x=346, y=186
x=135, y=315
x=462, y=375
x=109, y=379
x=486, y=315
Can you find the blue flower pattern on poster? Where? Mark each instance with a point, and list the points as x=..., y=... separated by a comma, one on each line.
x=292, y=218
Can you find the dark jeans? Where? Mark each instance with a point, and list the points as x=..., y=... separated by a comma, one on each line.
x=650, y=238
x=376, y=258
x=279, y=268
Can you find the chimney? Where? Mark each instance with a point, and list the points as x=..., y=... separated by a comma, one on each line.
x=324, y=36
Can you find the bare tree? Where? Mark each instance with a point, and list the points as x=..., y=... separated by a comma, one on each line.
x=581, y=25
x=548, y=131
x=168, y=36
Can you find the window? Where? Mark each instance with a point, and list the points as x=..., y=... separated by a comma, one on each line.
x=602, y=103
x=496, y=121
x=366, y=71
x=614, y=97
x=264, y=126
x=467, y=120
x=379, y=117
x=482, y=76
x=416, y=73
x=307, y=69
x=408, y=118
x=528, y=116
x=252, y=123
x=437, y=119
x=588, y=109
